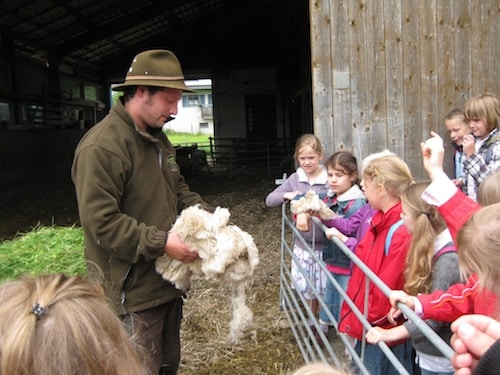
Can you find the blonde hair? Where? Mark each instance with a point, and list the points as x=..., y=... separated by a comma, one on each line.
x=484, y=107
x=479, y=247
x=55, y=324
x=318, y=368
x=308, y=140
x=428, y=224
x=489, y=190
x=389, y=171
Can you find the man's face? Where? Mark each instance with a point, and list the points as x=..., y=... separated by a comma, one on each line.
x=157, y=108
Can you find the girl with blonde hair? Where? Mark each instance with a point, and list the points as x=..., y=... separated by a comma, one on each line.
x=383, y=181
x=432, y=264
x=310, y=175
x=56, y=324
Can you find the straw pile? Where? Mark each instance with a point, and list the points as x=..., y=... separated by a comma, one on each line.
x=268, y=347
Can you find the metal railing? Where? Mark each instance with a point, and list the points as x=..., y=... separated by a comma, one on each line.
x=299, y=313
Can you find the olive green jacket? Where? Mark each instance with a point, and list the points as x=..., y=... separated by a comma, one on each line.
x=129, y=193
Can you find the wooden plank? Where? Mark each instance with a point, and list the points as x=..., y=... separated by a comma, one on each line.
x=447, y=96
x=463, y=57
x=412, y=106
x=342, y=119
x=394, y=76
x=429, y=74
x=321, y=70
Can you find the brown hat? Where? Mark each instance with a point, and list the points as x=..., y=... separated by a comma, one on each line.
x=157, y=67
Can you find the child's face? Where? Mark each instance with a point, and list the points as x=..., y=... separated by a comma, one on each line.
x=457, y=129
x=372, y=192
x=408, y=219
x=308, y=160
x=478, y=128
x=339, y=181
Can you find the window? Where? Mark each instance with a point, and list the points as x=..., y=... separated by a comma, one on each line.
x=190, y=100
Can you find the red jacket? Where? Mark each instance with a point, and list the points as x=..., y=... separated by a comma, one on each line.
x=459, y=299
x=389, y=268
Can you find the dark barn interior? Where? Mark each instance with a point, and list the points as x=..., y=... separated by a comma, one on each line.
x=59, y=57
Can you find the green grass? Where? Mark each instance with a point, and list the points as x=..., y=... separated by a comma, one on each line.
x=187, y=138
x=41, y=251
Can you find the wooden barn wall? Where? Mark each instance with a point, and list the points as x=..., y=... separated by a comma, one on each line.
x=386, y=72
x=35, y=162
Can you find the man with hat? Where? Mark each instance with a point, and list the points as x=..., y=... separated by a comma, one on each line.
x=129, y=193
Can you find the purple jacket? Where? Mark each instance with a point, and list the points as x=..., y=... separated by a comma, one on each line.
x=354, y=226
x=298, y=182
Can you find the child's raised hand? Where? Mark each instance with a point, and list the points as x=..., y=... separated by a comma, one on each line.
x=468, y=144
x=433, y=154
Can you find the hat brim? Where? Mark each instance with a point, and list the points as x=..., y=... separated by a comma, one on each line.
x=176, y=85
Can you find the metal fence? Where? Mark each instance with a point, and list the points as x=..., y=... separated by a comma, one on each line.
x=299, y=313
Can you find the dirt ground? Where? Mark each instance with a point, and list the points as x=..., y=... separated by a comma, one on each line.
x=268, y=347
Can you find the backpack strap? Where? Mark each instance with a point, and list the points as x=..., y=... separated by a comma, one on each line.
x=444, y=250
x=388, y=239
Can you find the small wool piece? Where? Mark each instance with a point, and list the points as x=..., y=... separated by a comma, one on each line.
x=226, y=253
x=310, y=202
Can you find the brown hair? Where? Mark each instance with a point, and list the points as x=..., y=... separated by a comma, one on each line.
x=55, y=324
x=484, y=107
x=428, y=224
x=344, y=161
x=456, y=113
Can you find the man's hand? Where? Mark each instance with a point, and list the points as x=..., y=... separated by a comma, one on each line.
x=177, y=249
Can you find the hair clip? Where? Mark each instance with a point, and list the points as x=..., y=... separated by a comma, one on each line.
x=38, y=311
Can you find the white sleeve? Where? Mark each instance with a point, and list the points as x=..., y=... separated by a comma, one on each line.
x=439, y=191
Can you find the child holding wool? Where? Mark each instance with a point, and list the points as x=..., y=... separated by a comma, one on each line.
x=310, y=174
x=344, y=197
x=432, y=264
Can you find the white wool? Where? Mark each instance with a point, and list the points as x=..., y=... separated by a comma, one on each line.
x=226, y=253
x=311, y=202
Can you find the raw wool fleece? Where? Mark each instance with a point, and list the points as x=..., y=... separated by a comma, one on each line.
x=226, y=253
x=310, y=201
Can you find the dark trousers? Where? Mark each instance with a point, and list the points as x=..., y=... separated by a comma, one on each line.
x=158, y=331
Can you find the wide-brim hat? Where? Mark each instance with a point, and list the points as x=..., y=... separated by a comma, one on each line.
x=158, y=67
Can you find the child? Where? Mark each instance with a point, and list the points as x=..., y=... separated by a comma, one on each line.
x=458, y=128
x=477, y=233
x=482, y=148
x=384, y=179
x=432, y=264
x=344, y=197
x=57, y=324
x=310, y=175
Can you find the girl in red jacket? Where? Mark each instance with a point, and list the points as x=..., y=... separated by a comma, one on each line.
x=384, y=179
